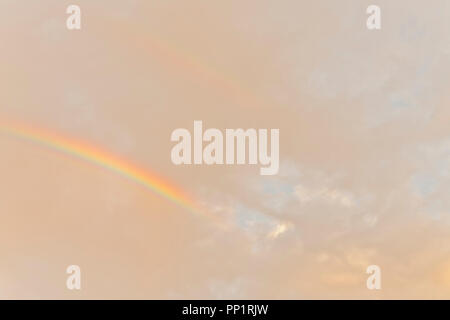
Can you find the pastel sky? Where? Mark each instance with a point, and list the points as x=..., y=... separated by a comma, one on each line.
x=364, y=149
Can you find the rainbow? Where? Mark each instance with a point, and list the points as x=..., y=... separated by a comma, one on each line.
x=83, y=150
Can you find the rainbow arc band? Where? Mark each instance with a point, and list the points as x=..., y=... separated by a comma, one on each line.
x=95, y=155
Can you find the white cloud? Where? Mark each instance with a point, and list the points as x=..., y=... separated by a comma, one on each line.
x=279, y=230
x=335, y=196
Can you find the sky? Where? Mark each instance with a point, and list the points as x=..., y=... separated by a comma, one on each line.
x=364, y=173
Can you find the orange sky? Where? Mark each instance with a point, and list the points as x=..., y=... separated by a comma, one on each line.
x=364, y=149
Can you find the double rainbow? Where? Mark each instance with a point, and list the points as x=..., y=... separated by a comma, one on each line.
x=83, y=150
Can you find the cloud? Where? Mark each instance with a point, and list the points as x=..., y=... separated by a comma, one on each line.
x=279, y=230
x=332, y=196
